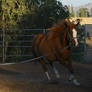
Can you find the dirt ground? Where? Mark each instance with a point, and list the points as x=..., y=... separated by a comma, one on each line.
x=29, y=77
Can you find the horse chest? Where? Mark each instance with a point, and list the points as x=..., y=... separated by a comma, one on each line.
x=63, y=53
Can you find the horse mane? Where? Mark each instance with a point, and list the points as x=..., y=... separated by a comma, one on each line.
x=60, y=26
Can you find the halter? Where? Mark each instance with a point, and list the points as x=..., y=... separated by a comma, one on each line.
x=70, y=39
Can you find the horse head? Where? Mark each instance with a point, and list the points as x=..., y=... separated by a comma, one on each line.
x=72, y=32
x=70, y=28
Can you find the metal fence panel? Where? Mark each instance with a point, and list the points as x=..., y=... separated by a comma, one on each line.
x=16, y=44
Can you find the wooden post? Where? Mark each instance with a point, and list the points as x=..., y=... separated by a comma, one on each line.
x=3, y=52
x=85, y=46
x=3, y=29
x=44, y=31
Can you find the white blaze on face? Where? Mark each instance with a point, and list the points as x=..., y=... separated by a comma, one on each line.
x=75, y=37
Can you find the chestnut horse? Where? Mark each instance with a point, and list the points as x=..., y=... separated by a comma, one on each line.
x=56, y=45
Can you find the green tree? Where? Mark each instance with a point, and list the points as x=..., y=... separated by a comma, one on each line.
x=28, y=13
x=12, y=12
x=91, y=12
x=69, y=9
x=20, y=14
x=44, y=13
x=83, y=12
x=72, y=12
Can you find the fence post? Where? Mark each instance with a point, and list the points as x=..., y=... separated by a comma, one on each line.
x=85, y=46
x=44, y=31
x=3, y=52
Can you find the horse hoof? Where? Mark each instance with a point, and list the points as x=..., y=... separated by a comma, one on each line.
x=76, y=82
x=58, y=76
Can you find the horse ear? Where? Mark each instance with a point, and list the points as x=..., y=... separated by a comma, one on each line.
x=78, y=22
x=66, y=22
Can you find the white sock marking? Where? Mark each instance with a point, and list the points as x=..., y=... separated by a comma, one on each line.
x=71, y=77
x=76, y=82
x=47, y=74
x=56, y=72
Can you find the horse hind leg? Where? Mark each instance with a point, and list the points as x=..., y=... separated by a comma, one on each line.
x=36, y=52
x=53, y=67
x=47, y=74
x=43, y=62
x=55, y=70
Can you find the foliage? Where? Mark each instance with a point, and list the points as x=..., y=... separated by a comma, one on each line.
x=12, y=12
x=24, y=14
x=44, y=13
x=72, y=12
x=83, y=12
x=28, y=13
x=91, y=12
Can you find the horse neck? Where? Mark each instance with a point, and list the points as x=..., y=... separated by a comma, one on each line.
x=63, y=38
x=58, y=35
x=58, y=32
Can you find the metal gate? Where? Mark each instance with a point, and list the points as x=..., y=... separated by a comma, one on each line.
x=88, y=28
x=15, y=45
x=79, y=53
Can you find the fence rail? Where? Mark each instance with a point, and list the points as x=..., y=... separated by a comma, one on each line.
x=18, y=55
x=13, y=41
x=22, y=35
x=17, y=44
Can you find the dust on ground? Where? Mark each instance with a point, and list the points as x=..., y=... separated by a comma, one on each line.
x=29, y=77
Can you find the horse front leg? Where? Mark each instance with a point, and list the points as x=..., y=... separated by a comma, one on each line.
x=71, y=76
x=75, y=81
